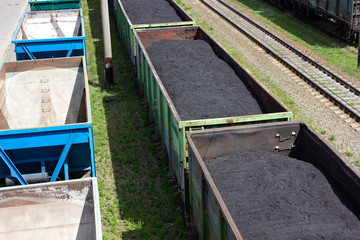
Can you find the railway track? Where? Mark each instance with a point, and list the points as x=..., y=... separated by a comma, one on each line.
x=336, y=89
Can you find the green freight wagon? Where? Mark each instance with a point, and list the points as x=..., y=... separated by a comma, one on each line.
x=42, y=5
x=125, y=26
x=214, y=219
x=168, y=123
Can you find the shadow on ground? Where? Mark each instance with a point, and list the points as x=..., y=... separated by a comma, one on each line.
x=137, y=201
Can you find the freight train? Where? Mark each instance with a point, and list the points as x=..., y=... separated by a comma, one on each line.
x=194, y=135
x=344, y=13
x=174, y=76
x=46, y=129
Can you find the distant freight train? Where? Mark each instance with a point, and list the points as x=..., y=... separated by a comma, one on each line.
x=345, y=13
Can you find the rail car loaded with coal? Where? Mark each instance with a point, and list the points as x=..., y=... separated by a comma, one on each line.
x=267, y=181
x=143, y=14
x=190, y=82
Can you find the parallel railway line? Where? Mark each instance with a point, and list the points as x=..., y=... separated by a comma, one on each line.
x=336, y=89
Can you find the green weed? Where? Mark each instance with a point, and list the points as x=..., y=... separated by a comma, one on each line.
x=183, y=5
x=349, y=153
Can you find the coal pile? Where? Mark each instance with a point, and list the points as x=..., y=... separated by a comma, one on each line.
x=200, y=84
x=276, y=197
x=150, y=11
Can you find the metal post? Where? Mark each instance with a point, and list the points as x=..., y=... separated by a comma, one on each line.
x=107, y=42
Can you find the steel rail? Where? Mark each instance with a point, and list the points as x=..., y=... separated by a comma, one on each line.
x=336, y=89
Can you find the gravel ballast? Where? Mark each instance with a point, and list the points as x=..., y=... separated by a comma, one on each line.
x=150, y=11
x=200, y=84
x=276, y=197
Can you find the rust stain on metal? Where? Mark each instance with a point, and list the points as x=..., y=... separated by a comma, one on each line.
x=229, y=120
x=17, y=202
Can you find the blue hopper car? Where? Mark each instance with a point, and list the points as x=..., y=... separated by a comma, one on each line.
x=45, y=121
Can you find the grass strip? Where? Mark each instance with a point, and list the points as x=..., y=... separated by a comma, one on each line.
x=135, y=197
